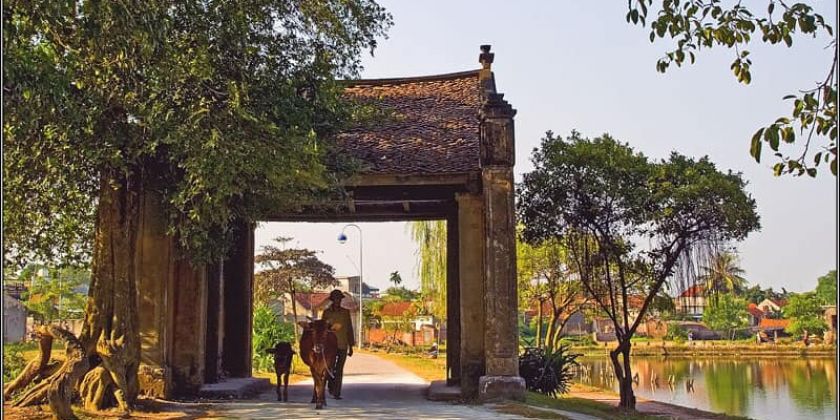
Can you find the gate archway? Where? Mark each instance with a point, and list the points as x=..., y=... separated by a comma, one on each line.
x=446, y=153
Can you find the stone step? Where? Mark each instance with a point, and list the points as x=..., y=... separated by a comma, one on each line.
x=439, y=391
x=234, y=388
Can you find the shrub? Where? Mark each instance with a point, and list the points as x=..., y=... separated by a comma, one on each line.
x=547, y=371
x=13, y=361
x=677, y=333
x=579, y=340
x=268, y=331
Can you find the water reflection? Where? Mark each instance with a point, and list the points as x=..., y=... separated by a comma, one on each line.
x=756, y=388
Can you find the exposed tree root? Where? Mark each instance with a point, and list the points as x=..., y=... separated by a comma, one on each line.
x=57, y=389
x=97, y=390
x=34, y=369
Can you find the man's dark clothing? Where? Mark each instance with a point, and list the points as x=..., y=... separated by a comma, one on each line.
x=338, y=373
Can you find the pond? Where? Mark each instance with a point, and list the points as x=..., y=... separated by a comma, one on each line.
x=770, y=388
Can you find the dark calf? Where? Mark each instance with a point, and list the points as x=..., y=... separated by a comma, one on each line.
x=283, y=354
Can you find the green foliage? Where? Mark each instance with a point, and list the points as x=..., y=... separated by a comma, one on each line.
x=430, y=237
x=604, y=188
x=267, y=332
x=289, y=271
x=723, y=275
x=225, y=109
x=546, y=371
x=699, y=24
x=827, y=288
x=55, y=293
x=545, y=275
x=599, y=196
x=393, y=294
x=726, y=313
x=756, y=294
x=395, y=278
x=13, y=361
x=805, y=313
x=676, y=332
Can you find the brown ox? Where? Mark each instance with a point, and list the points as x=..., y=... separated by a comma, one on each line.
x=318, y=349
x=283, y=354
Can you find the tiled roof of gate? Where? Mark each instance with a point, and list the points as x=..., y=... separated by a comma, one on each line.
x=431, y=126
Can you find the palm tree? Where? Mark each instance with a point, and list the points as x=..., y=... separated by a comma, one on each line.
x=396, y=278
x=723, y=275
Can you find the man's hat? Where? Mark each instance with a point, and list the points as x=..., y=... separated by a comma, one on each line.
x=336, y=294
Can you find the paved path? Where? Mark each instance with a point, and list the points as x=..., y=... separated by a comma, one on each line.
x=373, y=388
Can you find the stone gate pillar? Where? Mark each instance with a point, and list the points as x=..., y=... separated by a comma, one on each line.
x=453, y=303
x=501, y=337
x=238, y=305
x=471, y=289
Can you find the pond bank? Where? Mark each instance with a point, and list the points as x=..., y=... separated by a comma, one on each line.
x=645, y=406
x=711, y=349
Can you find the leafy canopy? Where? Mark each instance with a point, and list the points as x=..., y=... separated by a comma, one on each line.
x=268, y=330
x=55, y=293
x=698, y=24
x=430, y=237
x=223, y=108
x=726, y=313
x=608, y=198
x=286, y=269
x=827, y=288
x=723, y=275
x=805, y=313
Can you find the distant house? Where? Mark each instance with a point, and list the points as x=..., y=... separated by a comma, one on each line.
x=691, y=302
x=603, y=329
x=311, y=305
x=350, y=284
x=698, y=330
x=830, y=316
x=756, y=314
x=769, y=306
x=14, y=320
x=576, y=324
x=399, y=316
x=396, y=312
x=770, y=326
x=14, y=289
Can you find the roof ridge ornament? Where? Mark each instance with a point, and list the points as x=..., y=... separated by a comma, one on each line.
x=486, y=57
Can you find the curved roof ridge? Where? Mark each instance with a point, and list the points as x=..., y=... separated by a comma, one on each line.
x=412, y=79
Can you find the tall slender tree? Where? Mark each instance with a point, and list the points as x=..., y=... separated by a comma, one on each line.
x=430, y=237
x=547, y=278
x=222, y=110
x=723, y=275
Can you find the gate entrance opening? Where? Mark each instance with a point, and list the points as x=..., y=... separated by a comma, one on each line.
x=447, y=152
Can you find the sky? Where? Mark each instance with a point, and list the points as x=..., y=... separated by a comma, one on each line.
x=571, y=65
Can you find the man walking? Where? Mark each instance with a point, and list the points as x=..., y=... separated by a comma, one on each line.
x=338, y=315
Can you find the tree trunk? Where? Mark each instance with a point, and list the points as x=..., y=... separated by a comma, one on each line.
x=540, y=325
x=110, y=337
x=111, y=321
x=294, y=311
x=624, y=374
x=551, y=334
x=35, y=368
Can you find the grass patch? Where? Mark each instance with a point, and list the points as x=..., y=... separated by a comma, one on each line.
x=424, y=367
x=584, y=406
x=526, y=411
